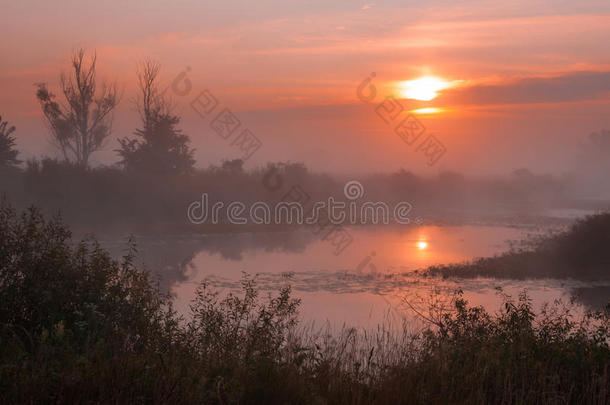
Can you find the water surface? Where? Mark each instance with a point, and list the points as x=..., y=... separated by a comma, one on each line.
x=364, y=285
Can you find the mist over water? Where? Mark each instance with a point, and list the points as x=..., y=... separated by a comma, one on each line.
x=366, y=281
x=305, y=202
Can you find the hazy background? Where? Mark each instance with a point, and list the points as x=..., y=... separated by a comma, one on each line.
x=534, y=76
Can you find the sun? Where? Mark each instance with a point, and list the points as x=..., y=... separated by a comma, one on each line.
x=422, y=245
x=425, y=88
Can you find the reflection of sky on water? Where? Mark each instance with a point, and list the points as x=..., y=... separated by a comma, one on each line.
x=362, y=286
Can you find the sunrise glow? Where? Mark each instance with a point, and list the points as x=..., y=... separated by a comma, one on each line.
x=428, y=110
x=422, y=245
x=425, y=88
x=430, y=177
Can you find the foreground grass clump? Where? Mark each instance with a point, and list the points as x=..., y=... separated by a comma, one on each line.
x=581, y=252
x=77, y=326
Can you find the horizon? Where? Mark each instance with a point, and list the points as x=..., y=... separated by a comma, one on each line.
x=520, y=87
x=305, y=202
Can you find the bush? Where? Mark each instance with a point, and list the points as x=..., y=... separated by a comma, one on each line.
x=70, y=313
x=580, y=252
x=78, y=326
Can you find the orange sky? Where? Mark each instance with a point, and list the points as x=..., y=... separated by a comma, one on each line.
x=533, y=78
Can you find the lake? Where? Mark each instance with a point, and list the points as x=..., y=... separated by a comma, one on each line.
x=362, y=286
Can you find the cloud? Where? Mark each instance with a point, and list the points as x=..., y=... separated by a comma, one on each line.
x=570, y=87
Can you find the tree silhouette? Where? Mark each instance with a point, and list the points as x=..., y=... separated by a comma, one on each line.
x=8, y=155
x=235, y=166
x=159, y=147
x=80, y=126
x=600, y=141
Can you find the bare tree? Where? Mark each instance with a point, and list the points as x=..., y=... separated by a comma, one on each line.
x=159, y=147
x=150, y=103
x=80, y=126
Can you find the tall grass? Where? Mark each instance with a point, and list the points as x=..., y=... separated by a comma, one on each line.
x=580, y=252
x=79, y=327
